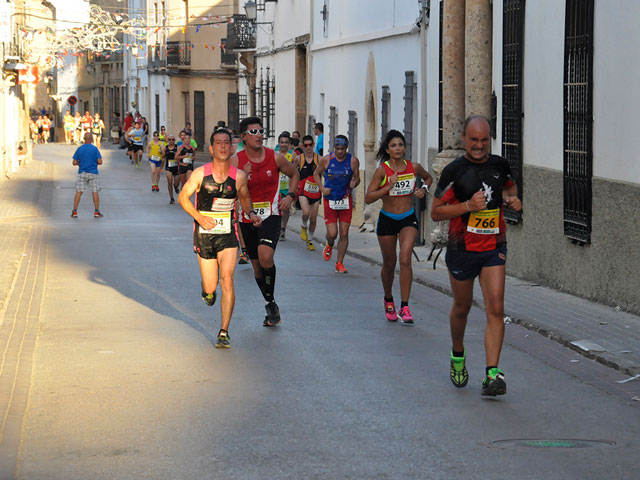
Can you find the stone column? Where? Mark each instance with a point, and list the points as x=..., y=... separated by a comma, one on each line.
x=477, y=59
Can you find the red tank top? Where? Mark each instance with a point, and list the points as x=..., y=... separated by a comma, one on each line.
x=263, y=183
x=406, y=183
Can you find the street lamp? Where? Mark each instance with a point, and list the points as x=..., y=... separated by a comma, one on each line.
x=251, y=8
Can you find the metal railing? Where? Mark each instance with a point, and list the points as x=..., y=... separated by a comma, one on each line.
x=241, y=33
x=178, y=54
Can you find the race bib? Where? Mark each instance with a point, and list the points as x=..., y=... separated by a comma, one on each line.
x=172, y=163
x=137, y=139
x=342, y=204
x=187, y=160
x=262, y=209
x=284, y=181
x=222, y=223
x=404, y=186
x=156, y=158
x=484, y=222
x=311, y=187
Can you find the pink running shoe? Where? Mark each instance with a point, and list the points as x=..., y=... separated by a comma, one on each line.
x=405, y=316
x=390, y=311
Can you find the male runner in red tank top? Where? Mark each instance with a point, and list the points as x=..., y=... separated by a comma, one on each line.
x=262, y=165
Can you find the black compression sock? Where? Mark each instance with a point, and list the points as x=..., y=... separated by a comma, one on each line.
x=489, y=368
x=269, y=276
x=404, y=304
x=457, y=354
x=261, y=286
x=390, y=299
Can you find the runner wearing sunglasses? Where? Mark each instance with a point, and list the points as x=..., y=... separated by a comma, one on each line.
x=173, y=177
x=309, y=194
x=263, y=167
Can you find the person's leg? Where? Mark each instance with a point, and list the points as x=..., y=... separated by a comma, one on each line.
x=407, y=240
x=462, y=298
x=227, y=266
x=387, y=272
x=343, y=243
x=169, y=176
x=187, y=175
x=332, y=233
x=285, y=219
x=153, y=173
x=313, y=219
x=76, y=200
x=96, y=201
x=306, y=210
x=492, y=280
x=209, y=274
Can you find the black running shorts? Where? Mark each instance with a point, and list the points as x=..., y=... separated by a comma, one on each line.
x=184, y=168
x=465, y=265
x=388, y=226
x=173, y=170
x=266, y=234
x=207, y=245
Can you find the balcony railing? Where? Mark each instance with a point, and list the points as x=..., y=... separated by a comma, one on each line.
x=107, y=56
x=157, y=56
x=178, y=54
x=228, y=58
x=241, y=34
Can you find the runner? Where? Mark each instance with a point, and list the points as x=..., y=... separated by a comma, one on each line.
x=185, y=155
x=68, y=128
x=97, y=129
x=261, y=165
x=173, y=177
x=309, y=194
x=284, y=147
x=217, y=185
x=46, y=128
x=39, y=125
x=86, y=123
x=77, y=133
x=341, y=177
x=394, y=182
x=155, y=150
x=244, y=256
x=163, y=135
x=471, y=193
x=136, y=136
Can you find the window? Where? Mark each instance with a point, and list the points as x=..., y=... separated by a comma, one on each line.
x=333, y=121
x=512, y=61
x=578, y=120
x=409, y=97
x=325, y=18
x=386, y=100
x=352, y=131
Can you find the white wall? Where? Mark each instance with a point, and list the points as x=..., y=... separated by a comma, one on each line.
x=543, y=83
x=616, y=102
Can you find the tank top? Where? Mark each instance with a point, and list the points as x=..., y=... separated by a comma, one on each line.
x=406, y=183
x=337, y=177
x=155, y=151
x=263, y=183
x=136, y=136
x=187, y=150
x=308, y=186
x=217, y=200
x=97, y=129
x=171, y=155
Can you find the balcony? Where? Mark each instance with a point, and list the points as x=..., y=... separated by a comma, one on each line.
x=228, y=58
x=156, y=56
x=106, y=57
x=241, y=34
x=178, y=54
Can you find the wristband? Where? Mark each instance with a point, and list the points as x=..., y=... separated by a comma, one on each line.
x=292, y=195
x=468, y=209
x=253, y=212
x=426, y=187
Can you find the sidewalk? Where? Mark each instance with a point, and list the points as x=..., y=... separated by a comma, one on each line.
x=596, y=331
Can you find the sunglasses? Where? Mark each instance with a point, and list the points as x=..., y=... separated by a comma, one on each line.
x=171, y=139
x=255, y=131
x=307, y=144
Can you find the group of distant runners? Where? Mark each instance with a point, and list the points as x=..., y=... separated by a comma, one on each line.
x=245, y=197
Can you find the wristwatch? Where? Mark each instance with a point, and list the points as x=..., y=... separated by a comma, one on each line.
x=292, y=195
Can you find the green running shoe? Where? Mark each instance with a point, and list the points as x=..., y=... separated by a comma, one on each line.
x=458, y=373
x=209, y=298
x=223, y=339
x=494, y=383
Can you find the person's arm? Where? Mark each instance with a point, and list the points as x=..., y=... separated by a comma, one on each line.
x=178, y=156
x=426, y=178
x=374, y=190
x=290, y=171
x=75, y=160
x=184, y=199
x=510, y=197
x=245, y=200
x=317, y=175
x=355, y=168
x=99, y=160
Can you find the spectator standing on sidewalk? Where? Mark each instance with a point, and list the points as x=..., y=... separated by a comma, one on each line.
x=318, y=129
x=87, y=157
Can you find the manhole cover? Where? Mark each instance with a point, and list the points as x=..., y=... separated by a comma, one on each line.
x=552, y=443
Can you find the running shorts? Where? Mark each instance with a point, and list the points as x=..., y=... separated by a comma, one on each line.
x=184, y=168
x=465, y=265
x=266, y=234
x=207, y=246
x=388, y=226
x=335, y=216
x=173, y=170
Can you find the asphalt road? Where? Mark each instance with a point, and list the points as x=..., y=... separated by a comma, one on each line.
x=126, y=383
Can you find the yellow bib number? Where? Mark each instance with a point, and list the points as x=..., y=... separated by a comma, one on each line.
x=222, y=223
x=484, y=222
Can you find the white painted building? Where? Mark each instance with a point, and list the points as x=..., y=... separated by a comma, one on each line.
x=135, y=65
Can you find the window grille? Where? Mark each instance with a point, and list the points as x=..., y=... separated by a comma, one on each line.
x=241, y=33
x=233, y=110
x=333, y=120
x=265, y=98
x=311, y=125
x=512, y=111
x=409, y=96
x=384, y=113
x=578, y=120
x=243, y=107
x=352, y=133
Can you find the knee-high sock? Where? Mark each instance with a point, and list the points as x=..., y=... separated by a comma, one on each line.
x=269, y=280
x=261, y=286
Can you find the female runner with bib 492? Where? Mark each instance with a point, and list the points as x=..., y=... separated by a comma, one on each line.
x=394, y=181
